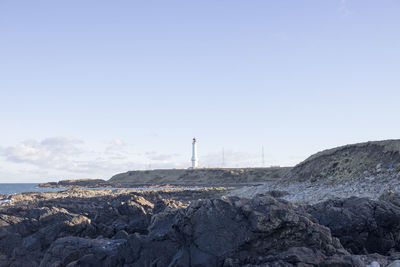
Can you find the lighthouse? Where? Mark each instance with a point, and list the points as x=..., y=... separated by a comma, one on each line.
x=195, y=159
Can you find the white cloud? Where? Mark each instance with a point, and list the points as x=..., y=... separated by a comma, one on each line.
x=69, y=156
x=118, y=142
x=64, y=157
x=117, y=149
x=50, y=151
x=344, y=8
x=154, y=156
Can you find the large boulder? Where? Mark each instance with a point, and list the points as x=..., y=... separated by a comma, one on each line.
x=131, y=214
x=362, y=225
x=235, y=232
x=27, y=231
x=25, y=238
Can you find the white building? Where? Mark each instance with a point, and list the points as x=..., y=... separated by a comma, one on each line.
x=195, y=159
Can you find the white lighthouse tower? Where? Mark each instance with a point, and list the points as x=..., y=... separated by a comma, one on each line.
x=195, y=159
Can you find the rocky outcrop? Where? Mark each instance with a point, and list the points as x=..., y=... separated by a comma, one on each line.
x=214, y=232
x=235, y=232
x=75, y=251
x=124, y=228
x=363, y=226
x=24, y=239
x=33, y=222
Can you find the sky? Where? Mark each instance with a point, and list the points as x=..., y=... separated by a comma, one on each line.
x=89, y=89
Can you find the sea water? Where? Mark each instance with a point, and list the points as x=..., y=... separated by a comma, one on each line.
x=8, y=189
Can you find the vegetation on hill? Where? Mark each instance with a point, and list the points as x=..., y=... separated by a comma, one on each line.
x=350, y=161
x=214, y=175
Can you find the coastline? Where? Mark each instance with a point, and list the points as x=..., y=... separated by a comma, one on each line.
x=337, y=208
x=78, y=225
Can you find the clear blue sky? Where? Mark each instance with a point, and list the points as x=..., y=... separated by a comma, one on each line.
x=92, y=88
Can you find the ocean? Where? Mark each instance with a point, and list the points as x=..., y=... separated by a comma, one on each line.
x=8, y=189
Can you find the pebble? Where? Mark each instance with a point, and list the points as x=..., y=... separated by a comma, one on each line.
x=371, y=187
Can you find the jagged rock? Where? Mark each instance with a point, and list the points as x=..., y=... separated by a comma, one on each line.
x=362, y=225
x=234, y=231
x=214, y=232
x=121, y=235
x=75, y=251
x=87, y=228
x=30, y=237
x=34, y=221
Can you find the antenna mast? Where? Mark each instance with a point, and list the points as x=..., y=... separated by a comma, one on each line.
x=262, y=156
x=223, y=157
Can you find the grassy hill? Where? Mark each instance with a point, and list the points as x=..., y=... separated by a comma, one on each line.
x=201, y=176
x=350, y=161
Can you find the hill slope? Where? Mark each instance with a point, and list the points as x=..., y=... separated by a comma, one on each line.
x=363, y=170
x=350, y=161
x=204, y=176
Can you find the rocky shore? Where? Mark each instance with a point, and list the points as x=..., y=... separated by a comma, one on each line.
x=312, y=192
x=195, y=228
x=339, y=207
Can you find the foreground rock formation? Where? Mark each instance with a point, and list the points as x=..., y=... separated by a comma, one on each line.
x=192, y=228
x=363, y=226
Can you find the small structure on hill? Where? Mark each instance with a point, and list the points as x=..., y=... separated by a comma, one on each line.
x=195, y=159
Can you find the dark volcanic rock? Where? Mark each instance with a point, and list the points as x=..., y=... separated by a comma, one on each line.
x=362, y=225
x=95, y=228
x=130, y=214
x=75, y=251
x=233, y=232
x=34, y=221
x=25, y=239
